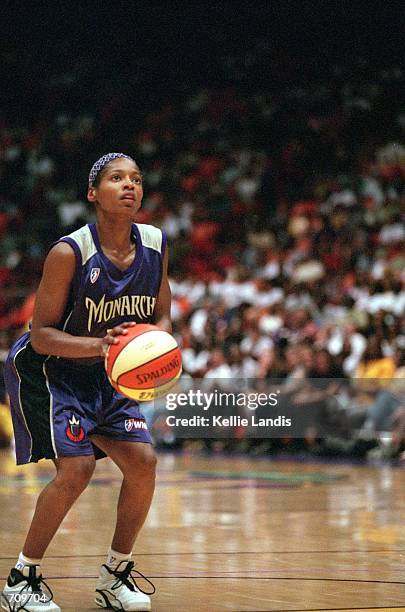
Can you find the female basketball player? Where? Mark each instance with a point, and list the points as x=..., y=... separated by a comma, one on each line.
x=63, y=406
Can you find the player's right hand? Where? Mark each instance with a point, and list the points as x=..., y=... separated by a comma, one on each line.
x=111, y=336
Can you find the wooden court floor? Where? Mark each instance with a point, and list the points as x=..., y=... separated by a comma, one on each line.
x=230, y=534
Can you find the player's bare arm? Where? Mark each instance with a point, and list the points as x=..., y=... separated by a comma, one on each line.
x=50, y=305
x=161, y=315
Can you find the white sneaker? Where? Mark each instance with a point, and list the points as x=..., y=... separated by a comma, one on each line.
x=118, y=590
x=27, y=591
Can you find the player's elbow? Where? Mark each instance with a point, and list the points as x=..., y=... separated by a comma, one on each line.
x=38, y=342
x=164, y=323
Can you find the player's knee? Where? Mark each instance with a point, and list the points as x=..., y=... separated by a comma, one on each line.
x=147, y=460
x=74, y=477
x=144, y=461
x=151, y=461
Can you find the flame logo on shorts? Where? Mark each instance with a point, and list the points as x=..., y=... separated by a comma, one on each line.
x=75, y=431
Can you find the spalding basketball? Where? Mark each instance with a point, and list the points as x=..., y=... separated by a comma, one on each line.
x=144, y=364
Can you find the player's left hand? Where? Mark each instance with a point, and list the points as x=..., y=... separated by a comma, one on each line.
x=111, y=335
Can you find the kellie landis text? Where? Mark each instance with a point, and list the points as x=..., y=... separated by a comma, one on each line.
x=229, y=421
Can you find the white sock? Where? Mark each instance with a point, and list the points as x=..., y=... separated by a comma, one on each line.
x=24, y=561
x=114, y=558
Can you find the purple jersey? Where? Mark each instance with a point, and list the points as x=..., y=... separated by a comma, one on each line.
x=102, y=295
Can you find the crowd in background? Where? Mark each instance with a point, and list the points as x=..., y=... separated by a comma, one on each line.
x=282, y=199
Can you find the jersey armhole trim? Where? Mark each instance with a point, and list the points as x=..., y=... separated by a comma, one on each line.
x=164, y=244
x=78, y=270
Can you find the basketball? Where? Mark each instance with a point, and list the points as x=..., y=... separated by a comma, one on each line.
x=145, y=364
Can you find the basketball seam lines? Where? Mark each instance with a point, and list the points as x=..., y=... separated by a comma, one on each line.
x=146, y=363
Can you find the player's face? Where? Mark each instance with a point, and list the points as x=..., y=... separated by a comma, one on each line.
x=120, y=188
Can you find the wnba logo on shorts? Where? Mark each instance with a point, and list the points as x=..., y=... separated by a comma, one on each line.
x=75, y=431
x=131, y=424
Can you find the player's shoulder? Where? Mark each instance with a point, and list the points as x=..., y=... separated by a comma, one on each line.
x=60, y=250
x=60, y=261
x=152, y=237
x=81, y=241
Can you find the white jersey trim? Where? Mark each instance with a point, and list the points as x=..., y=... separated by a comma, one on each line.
x=151, y=236
x=85, y=242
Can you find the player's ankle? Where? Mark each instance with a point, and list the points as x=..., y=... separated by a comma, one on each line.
x=114, y=557
x=24, y=561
